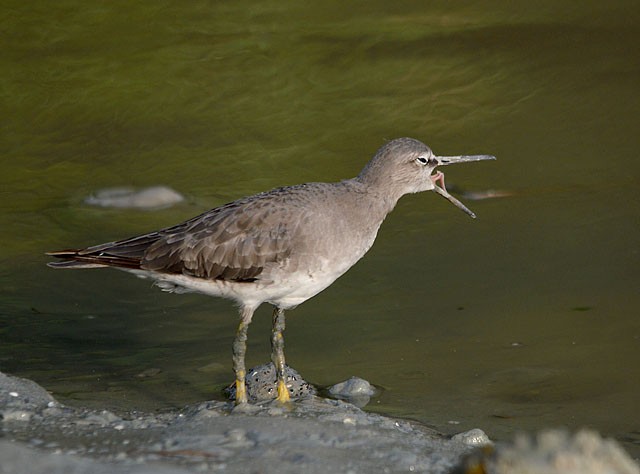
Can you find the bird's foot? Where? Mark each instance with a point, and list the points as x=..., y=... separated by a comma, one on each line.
x=283, y=392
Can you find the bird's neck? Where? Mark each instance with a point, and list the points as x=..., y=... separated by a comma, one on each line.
x=372, y=201
x=386, y=194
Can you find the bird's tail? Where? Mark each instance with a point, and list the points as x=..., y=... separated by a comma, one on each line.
x=80, y=259
x=71, y=259
x=123, y=254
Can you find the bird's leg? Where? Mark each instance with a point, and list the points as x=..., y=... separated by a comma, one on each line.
x=277, y=353
x=239, y=351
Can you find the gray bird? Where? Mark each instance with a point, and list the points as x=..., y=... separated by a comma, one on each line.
x=280, y=247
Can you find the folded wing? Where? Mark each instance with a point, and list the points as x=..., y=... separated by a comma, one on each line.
x=233, y=242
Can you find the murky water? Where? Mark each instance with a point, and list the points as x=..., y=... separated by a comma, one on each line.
x=522, y=319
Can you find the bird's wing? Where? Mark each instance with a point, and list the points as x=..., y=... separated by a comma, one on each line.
x=231, y=242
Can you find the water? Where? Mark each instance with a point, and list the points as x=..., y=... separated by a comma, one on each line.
x=524, y=318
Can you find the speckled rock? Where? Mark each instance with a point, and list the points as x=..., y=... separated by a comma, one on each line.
x=261, y=384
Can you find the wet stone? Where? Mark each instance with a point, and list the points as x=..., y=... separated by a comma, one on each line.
x=354, y=390
x=155, y=197
x=23, y=394
x=261, y=384
x=474, y=437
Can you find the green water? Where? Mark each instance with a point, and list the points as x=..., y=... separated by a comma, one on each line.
x=522, y=319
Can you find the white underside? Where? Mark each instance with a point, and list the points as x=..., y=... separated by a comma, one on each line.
x=287, y=293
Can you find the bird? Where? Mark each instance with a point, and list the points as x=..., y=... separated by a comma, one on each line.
x=280, y=247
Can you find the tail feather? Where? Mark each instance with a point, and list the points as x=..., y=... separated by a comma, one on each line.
x=127, y=253
x=97, y=259
x=74, y=264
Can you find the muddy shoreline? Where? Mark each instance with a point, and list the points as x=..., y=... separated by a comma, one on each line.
x=313, y=435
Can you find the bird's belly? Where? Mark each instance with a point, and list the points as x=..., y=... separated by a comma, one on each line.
x=300, y=282
x=299, y=287
x=285, y=290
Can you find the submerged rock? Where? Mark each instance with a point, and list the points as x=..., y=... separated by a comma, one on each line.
x=154, y=197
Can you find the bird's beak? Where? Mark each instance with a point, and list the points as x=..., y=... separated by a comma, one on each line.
x=438, y=177
x=452, y=160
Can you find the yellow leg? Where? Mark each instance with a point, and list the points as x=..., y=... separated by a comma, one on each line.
x=241, y=389
x=277, y=354
x=283, y=392
x=239, y=351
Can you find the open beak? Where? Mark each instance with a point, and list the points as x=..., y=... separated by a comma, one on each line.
x=438, y=177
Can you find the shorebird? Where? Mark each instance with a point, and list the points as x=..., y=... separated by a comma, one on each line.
x=281, y=246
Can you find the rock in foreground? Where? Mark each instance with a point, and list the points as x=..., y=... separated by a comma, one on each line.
x=312, y=435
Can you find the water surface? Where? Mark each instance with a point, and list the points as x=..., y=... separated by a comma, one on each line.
x=524, y=318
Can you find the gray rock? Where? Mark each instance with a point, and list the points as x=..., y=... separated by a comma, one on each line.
x=355, y=390
x=22, y=395
x=474, y=437
x=154, y=197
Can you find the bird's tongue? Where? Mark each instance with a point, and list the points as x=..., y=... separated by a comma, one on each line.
x=438, y=177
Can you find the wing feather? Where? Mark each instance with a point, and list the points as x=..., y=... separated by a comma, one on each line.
x=233, y=242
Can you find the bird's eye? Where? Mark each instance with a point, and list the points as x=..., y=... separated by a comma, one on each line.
x=421, y=160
